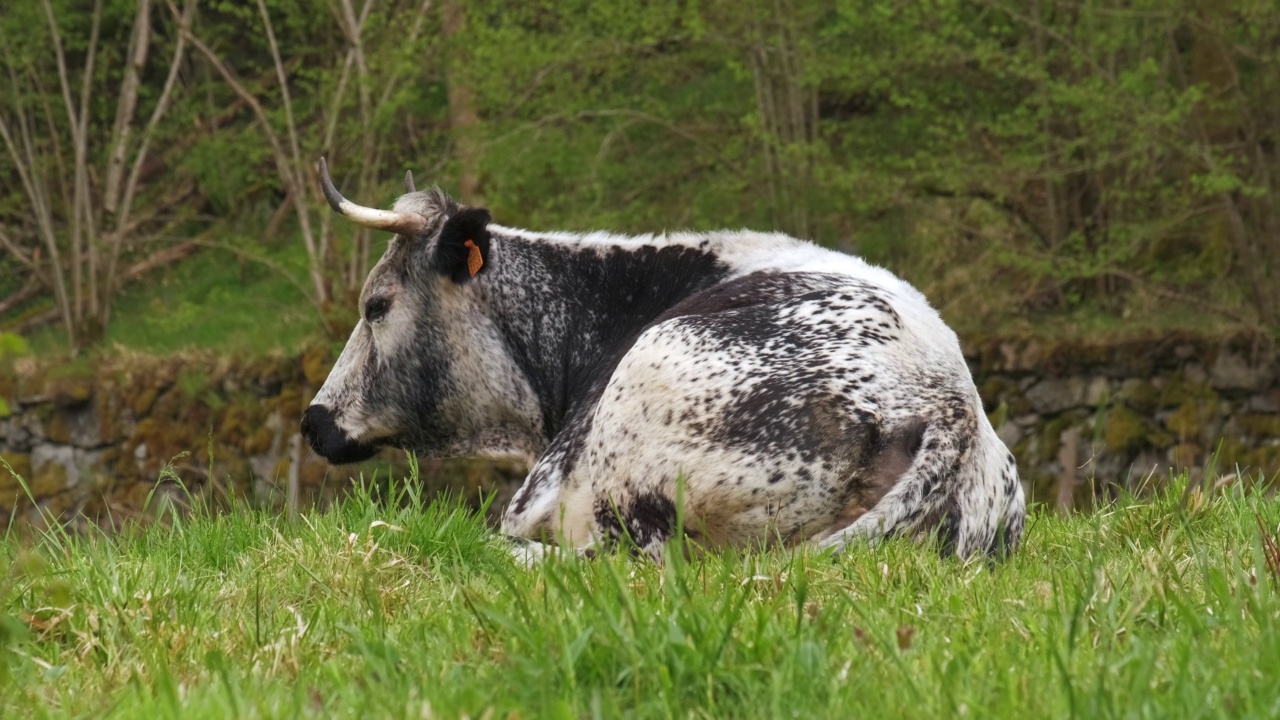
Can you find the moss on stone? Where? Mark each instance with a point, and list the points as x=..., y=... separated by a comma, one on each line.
x=108, y=414
x=1186, y=455
x=999, y=416
x=142, y=403
x=1140, y=395
x=316, y=363
x=1041, y=485
x=1187, y=421
x=164, y=440
x=1050, y=435
x=134, y=495
x=59, y=504
x=1265, y=427
x=29, y=383
x=170, y=406
x=193, y=382
x=1229, y=451
x=1265, y=459
x=43, y=412
x=259, y=441
x=147, y=432
x=235, y=424
x=1180, y=390
x=1123, y=429
x=58, y=430
x=996, y=389
x=289, y=403
x=48, y=481
x=21, y=464
x=68, y=392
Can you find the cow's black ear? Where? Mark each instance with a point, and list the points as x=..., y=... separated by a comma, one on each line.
x=463, y=249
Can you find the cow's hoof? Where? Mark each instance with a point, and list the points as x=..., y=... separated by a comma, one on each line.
x=527, y=552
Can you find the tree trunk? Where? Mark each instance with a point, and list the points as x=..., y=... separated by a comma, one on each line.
x=1218, y=123
x=463, y=119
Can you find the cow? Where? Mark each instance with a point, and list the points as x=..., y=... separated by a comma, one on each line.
x=742, y=389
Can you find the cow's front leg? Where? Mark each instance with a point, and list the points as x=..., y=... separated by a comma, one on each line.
x=537, y=511
x=531, y=553
x=525, y=551
x=548, y=506
x=532, y=510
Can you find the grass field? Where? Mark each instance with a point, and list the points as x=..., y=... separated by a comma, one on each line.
x=1157, y=607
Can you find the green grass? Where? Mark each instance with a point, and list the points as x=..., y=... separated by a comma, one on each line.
x=1156, y=607
x=239, y=295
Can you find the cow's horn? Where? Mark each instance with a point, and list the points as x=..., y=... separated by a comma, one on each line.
x=396, y=222
x=408, y=181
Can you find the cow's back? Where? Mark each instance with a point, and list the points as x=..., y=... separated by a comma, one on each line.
x=786, y=403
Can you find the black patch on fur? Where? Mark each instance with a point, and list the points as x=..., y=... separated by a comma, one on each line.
x=601, y=299
x=651, y=519
x=648, y=520
x=758, y=288
x=806, y=406
x=451, y=250
x=948, y=528
x=887, y=458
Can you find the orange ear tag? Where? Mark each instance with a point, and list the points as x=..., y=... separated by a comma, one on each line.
x=474, y=259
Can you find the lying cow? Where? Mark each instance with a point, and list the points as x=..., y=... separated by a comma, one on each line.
x=777, y=390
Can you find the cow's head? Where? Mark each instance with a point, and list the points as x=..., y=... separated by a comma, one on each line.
x=424, y=369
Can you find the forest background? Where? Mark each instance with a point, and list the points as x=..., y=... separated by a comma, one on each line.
x=1052, y=166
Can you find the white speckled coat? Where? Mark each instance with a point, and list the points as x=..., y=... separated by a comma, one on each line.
x=744, y=388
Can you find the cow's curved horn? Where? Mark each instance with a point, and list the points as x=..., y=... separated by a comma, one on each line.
x=397, y=222
x=408, y=181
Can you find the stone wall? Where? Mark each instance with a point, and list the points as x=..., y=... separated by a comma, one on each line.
x=1084, y=418
x=93, y=439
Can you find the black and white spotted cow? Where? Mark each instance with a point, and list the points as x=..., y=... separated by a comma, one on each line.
x=779, y=391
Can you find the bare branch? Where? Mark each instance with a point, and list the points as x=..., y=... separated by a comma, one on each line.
x=83, y=231
x=19, y=253
x=31, y=289
x=236, y=86
x=463, y=117
x=293, y=183
x=302, y=194
x=135, y=61
x=269, y=263
x=135, y=173
x=1195, y=300
x=38, y=320
x=168, y=255
x=290, y=126
x=73, y=118
x=419, y=21
x=33, y=185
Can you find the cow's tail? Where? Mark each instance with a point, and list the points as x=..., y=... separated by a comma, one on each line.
x=962, y=483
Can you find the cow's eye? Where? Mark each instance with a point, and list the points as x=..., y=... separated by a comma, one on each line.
x=376, y=308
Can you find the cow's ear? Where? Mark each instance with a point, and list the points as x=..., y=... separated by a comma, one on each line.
x=463, y=249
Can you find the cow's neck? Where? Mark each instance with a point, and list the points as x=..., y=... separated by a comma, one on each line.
x=569, y=310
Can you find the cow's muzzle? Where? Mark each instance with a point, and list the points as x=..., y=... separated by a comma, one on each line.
x=329, y=441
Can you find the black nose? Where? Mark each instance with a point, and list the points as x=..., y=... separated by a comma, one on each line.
x=317, y=421
x=307, y=425
x=322, y=433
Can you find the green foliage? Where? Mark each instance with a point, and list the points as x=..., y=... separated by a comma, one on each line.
x=1023, y=164
x=12, y=345
x=1158, y=607
x=1078, y=155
